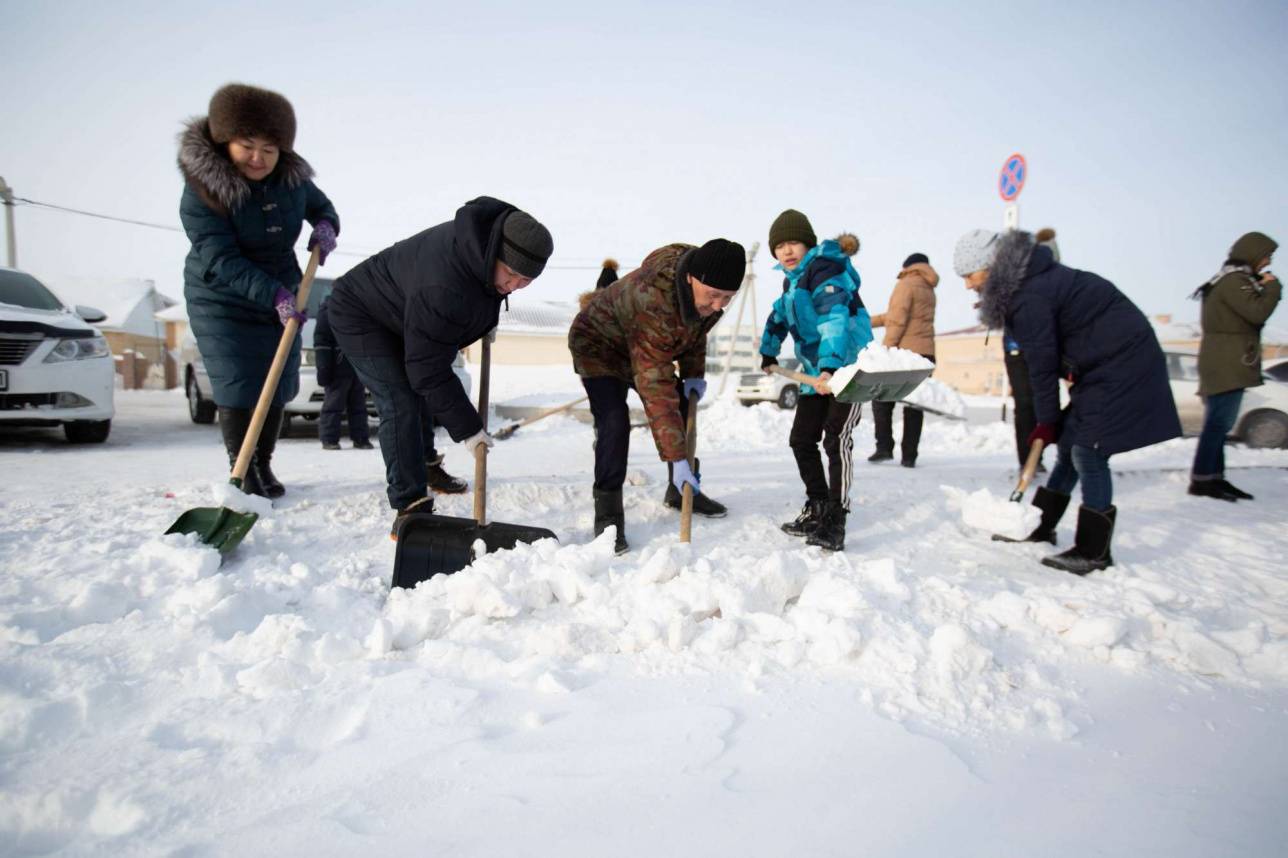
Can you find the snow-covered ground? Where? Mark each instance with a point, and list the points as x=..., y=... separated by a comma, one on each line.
x=926, y=692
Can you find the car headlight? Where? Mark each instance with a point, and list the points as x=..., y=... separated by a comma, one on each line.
x=78, y=349
x=308, y=358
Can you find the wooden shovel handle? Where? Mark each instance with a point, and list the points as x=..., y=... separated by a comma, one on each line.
x=801, y=378
x=507, y=431
x=480, y=452
x=275, y=372
x=1030, y=468
x=691, y=453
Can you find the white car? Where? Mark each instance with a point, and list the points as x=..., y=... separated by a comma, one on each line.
x=1263, y=414
x=55, y=368
x=308, y=402
x=760, y=386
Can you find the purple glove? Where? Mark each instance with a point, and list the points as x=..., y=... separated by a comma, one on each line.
x=692, y=384
x=324, y=237
x=681, y=473
x=284, y=304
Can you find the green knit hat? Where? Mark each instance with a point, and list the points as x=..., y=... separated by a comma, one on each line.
x=791, y=225
x=1252, y=247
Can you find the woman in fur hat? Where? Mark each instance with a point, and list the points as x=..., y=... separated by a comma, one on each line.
x=245, y=199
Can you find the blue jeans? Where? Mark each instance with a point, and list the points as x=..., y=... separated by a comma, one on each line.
x=401, y=442
x=1074, y=462
x=1220, y=411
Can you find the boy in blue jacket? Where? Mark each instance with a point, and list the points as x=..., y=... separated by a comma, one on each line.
x=821, y=309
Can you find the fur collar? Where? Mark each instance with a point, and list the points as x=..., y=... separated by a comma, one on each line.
x=923, y=271
x=210, y=173
x=683, y=291
x=1005, y=277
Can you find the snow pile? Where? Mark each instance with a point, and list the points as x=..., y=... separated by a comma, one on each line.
x=983, y=511
x=938, y=397
x=877, y=358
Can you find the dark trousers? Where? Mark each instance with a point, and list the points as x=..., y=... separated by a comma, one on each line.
x=1220, y=411
x=1074, y=462
x=401, y=441
x=823, y=418
x=1017, y=372
x=345, y=398
x=427, y=424
x=883, y=423
x=613, y=428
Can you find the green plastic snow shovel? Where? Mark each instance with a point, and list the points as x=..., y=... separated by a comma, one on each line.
x=885, y=386
x=221, y=527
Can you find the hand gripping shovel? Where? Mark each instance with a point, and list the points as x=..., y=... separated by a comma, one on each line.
x=430, y=545
x=886, y=386
x=506, y=431
x=690, y=453
x=221, y=527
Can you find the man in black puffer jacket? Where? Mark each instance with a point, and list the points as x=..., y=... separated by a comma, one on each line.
x=402, y=315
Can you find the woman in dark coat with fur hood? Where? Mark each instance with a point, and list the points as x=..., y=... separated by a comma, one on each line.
x=245, y=199
x=1074, y=325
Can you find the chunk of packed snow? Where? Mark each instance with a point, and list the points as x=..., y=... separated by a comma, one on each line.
x=983, y=510
x=877, y=358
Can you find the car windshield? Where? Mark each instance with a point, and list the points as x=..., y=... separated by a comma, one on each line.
x=23, y=290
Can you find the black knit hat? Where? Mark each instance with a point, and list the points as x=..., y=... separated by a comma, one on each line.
x=720, y=264
x=791, y=225
x=915, y=258
x=608, y=275
x=238, y=110
x=525, y=244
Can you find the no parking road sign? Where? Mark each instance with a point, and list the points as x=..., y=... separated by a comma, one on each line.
x=1011, y=180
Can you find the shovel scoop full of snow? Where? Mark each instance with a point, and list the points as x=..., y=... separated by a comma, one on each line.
x=222, y=527
x=983, y=510
x=882, y=374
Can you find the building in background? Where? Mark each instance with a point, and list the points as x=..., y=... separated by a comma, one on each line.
x=133, y=332
x=531, y=332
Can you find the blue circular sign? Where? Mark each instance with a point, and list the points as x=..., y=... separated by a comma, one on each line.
x=1011, y=180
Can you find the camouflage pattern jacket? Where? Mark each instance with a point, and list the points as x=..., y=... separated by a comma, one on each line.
x=636, y=330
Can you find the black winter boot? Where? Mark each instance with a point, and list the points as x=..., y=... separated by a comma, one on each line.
x=1214, y=489
x=808, y=521
x=702, y=505
x=264, y=454
x=1236, y=491
x=1090, y=550
x=425, y=505
x=233, y=423
x=1053, y=505
x=830, y=533
x=608, y=513
x=440, y=481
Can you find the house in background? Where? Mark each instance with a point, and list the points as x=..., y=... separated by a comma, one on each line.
x=970, y=360
x=131, y=328
x=530, y=332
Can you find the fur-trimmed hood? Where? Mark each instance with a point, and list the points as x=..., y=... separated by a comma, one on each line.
x=1006, y=275
x=211, y=174
x=922, y=270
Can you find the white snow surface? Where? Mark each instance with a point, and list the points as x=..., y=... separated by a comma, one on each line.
x=992, y=514
x=926, y=691
x=934, y=395
x=878, y=358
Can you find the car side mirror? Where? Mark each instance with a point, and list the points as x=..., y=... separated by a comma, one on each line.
x=93, y=315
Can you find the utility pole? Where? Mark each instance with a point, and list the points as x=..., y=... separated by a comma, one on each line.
x=6, y=194
x=748, y=285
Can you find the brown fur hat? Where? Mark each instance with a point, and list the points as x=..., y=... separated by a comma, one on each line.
x=239, y=110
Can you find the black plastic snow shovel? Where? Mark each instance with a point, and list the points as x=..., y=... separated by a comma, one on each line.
x=221, y=527
x=884, y=386
x=430, y=544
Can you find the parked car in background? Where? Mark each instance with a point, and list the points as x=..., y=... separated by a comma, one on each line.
x=55, y=368
x=759, y=386
x=307, y=404
x=1263, y=414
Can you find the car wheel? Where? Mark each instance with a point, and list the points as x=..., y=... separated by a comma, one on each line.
x=200, y=410
x=1265, y=429
x=87, y=431
x=747, y=403
x=787, y=398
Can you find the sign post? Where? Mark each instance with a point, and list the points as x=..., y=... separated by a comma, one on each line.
x=1015, y=171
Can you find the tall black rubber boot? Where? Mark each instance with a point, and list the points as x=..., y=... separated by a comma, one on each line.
x=1053, y=505
x=1090, y=551
x=233, y=423
x=830, y=534
x=262, y=465
x=702, y=504
x=609, y=513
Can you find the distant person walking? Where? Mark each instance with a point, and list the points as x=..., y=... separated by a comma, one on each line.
x=345, y=396
x=1078, y=326
x=909, y=323
x=246, y=197
x=1237, y=301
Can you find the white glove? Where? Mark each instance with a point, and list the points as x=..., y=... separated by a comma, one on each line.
x=480, y=437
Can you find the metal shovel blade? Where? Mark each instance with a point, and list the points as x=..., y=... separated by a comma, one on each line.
x=885, y=386
x=430, y=544
x=219, y=527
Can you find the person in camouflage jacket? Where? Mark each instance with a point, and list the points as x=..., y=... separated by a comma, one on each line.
x=631, y=335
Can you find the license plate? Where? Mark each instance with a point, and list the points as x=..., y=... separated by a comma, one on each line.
x=4, y=379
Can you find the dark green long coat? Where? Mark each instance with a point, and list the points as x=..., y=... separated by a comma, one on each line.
x=1235, y=309
x=243, y=236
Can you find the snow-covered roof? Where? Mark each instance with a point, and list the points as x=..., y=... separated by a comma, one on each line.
x=528, y=316
x=175, y=313
x=130, y=304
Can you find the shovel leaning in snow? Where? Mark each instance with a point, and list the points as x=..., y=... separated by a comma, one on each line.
x=221, y=527
x=506, y=431
x=690, y=453
x=886, y=385
x=430, y=544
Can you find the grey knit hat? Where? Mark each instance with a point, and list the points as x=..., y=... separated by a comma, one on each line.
x=974, y=251
x=525, y=244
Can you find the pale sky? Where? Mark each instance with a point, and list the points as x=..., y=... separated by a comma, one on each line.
x=1156, y=133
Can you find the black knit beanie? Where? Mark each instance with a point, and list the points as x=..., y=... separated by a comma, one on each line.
x=915, y=258
x=608, y=274
x=791, y=225
x=720, y=264
x=525, y=244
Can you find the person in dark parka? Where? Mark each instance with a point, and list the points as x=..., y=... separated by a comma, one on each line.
x=246, y=196
x=1237, y=301
x=345, y=395
x=1075, y=325
x=402, y=315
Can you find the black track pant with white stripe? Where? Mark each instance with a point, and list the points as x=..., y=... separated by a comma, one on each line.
x=823, y=418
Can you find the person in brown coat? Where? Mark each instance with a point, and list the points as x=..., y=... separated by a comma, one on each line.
x=909, y=323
